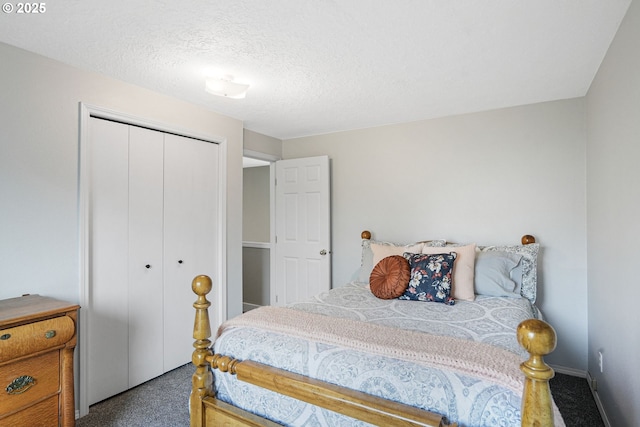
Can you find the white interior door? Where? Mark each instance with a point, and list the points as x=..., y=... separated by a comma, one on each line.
x=303, y=241
x=190, y=237
x=146, y=154
x=107, y=336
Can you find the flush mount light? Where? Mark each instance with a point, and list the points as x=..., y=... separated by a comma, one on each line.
x=225, y=86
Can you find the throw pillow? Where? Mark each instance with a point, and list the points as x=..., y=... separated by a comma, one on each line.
x=390, y=277
x=431, y=276
x=463, y=271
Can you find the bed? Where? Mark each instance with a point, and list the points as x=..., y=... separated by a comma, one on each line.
x=364, y=354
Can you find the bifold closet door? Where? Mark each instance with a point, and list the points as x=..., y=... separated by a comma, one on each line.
x=146, y=182
x=153, y=227
x=190, y=236
x=108, y=342
x=126, y=266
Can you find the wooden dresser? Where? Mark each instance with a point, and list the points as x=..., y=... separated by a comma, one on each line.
x=37, y=339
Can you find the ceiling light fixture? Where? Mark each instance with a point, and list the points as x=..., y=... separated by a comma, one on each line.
x=225, y=86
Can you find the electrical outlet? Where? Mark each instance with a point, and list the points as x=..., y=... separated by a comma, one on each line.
x=600, y=362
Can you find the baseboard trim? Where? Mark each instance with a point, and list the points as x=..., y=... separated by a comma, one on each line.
x=569, y=371
x=596, y=397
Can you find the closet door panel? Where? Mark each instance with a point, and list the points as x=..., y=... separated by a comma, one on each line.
x=190, y=236
x=108, y=257
x=145, y=254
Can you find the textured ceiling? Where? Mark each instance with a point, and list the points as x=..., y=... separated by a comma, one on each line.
x=320, y=66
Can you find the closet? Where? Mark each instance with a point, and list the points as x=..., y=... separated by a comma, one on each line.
x=153, y=208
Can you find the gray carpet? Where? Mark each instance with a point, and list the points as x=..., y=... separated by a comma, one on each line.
x=164, y=402
x=161, y=402
x=575, y=401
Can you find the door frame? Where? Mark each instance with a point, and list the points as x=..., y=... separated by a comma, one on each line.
x=272, y=215
x=220, y=282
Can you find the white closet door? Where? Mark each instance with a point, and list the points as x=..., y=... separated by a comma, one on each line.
x=145, y=254
x=190, y=236
x=108, y=355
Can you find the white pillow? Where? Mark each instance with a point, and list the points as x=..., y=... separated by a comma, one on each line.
x=381, y=251
x=367, y=261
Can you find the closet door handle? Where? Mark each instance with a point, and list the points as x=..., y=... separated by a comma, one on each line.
x=180, y=261
x=148, y=266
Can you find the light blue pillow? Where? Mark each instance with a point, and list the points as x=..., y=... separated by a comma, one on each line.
x=493, y=274
x=525, y=274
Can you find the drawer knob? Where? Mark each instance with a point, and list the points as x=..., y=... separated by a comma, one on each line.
x=21, y=384
x=50, y=334
x=5, y=337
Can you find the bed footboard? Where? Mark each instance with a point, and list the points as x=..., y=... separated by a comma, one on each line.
x=205, y=410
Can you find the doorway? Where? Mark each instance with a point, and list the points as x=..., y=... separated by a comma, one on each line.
x=295, y=262
x=257, y=229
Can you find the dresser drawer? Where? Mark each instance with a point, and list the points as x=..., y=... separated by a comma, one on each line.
x=44, y=373
x=27, y=339
x=42, y=414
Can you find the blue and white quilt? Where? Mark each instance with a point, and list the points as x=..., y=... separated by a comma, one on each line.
x=468, y=400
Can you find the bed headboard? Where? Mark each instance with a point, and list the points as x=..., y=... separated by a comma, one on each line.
x=526, y=239
x=527, y=269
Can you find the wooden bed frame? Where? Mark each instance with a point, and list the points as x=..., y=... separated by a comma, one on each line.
x=536, y=336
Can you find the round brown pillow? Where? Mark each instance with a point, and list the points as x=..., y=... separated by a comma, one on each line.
x=390, y=277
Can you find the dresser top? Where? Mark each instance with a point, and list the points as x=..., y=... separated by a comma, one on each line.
x=29, y=307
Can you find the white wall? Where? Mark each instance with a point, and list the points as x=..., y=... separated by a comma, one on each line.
x=255, y=275
x=258, y=143
x=256, y=228
x=488, y=177
x=613, y=210
x=39, y=119
x=256, y=200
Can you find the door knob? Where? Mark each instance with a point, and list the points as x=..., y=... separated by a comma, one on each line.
x=323, y=252
x=180, y=261
x=148, y=266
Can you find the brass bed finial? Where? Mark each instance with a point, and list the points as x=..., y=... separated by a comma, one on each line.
x=202, y=378
x=528, y=239
x=539, y=339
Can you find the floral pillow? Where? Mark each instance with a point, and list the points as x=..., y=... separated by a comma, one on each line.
x=430, y=278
